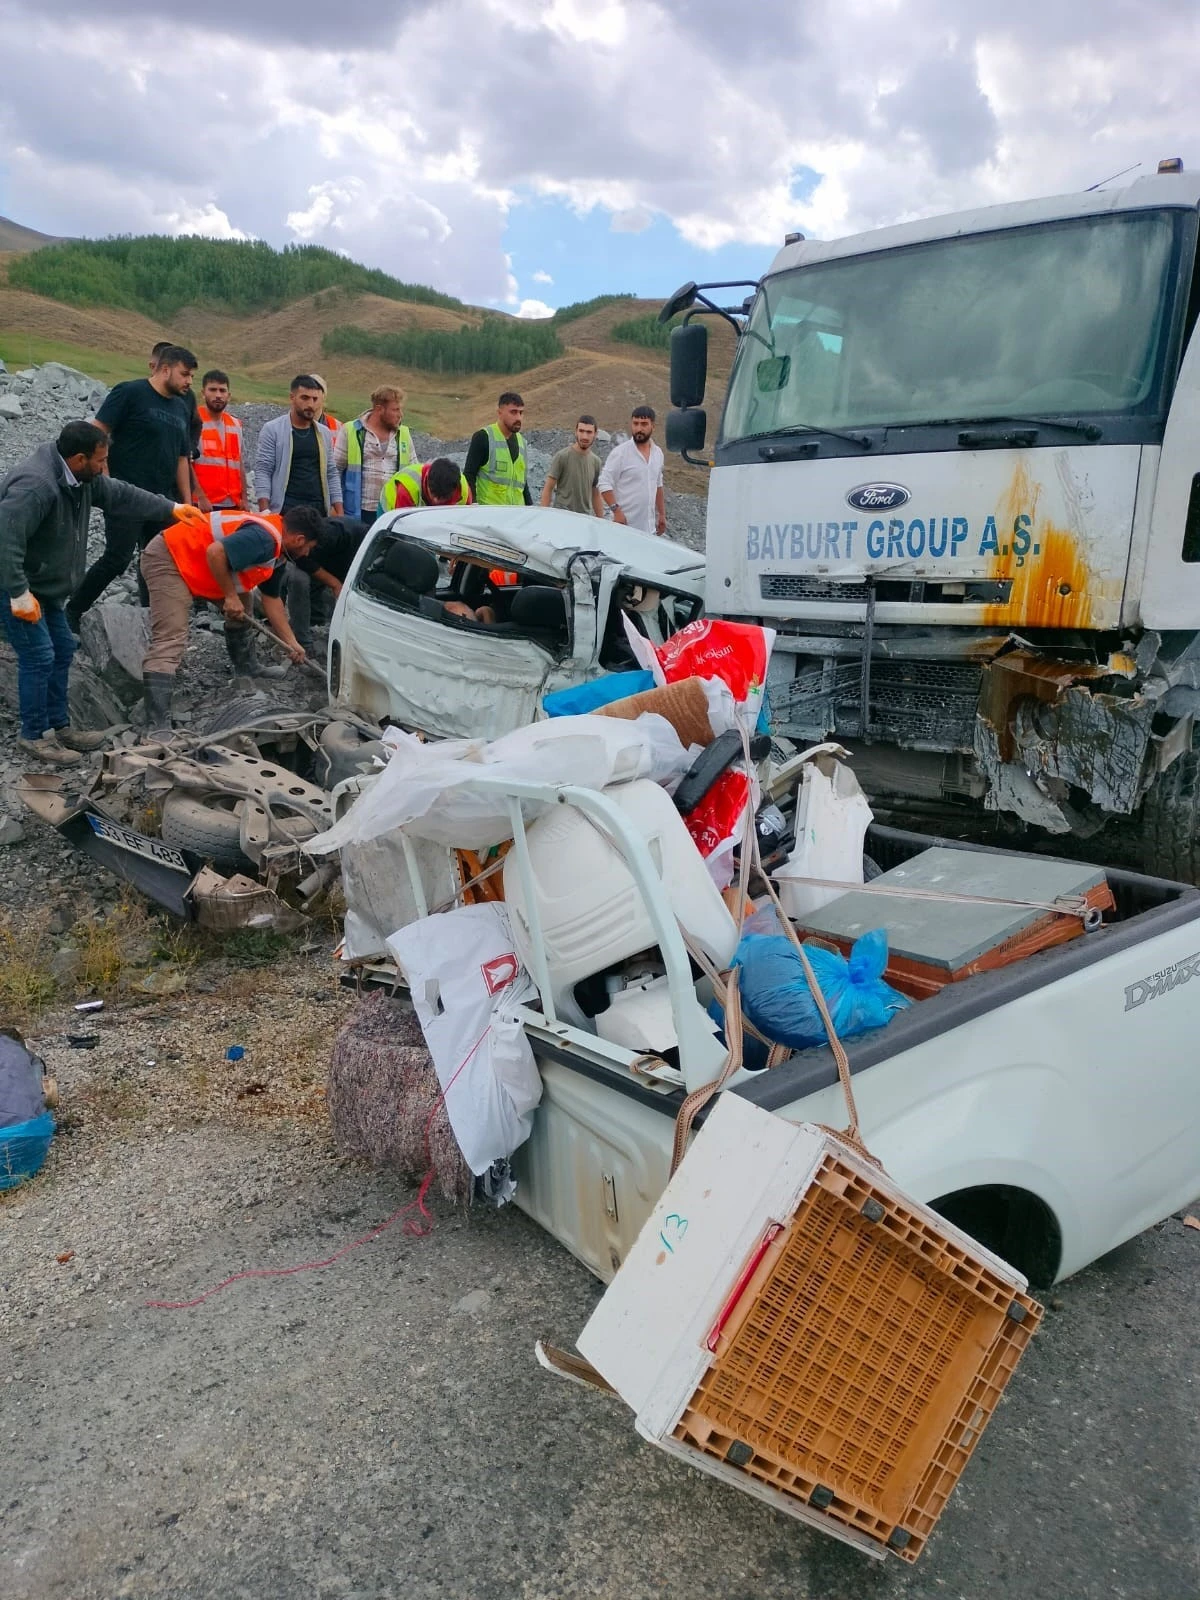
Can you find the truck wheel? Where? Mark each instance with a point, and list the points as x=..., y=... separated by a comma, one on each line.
x=240, y=708
x=1171, y=822
x=211, y=826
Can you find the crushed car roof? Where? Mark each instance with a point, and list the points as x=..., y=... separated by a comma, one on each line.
x=546, y=539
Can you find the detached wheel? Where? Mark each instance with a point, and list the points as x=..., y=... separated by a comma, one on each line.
x=209, y=827
x=1171, y=822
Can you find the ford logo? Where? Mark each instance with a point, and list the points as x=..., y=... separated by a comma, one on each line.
x=878, y=497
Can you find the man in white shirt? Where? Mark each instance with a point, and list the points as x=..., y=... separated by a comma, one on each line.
x=631, y=481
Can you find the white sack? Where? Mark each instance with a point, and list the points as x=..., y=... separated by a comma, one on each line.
x=426, y=788
x=466, y=980
x=832, y=815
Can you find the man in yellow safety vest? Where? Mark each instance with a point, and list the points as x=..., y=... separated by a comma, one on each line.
x=438, y=483
x=496, y=464
x=372, y=449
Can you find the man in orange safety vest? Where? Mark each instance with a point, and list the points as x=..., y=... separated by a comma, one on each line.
x=220, y=467
x=223, y=557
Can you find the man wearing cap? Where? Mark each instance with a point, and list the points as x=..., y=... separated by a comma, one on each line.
x=326, y=418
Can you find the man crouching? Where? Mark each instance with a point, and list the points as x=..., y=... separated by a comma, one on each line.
x=221, y=556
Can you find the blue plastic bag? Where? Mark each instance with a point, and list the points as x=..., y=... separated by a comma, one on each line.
x=24, y=1146
x=596, y=692
x=776, y=998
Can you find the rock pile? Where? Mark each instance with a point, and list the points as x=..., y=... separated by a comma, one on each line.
x=44, y=398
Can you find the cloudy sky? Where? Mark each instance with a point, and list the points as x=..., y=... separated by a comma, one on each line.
x=533, y=152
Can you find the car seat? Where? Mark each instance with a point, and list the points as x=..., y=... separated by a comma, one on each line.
x=408, y=573
x=540, y=611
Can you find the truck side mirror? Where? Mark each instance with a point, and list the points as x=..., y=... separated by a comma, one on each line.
x=686, y=430
x=689, y=364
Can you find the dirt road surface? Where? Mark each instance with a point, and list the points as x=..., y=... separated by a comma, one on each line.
x=379, y=1429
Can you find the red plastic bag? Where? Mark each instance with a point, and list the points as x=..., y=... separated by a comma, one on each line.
x=735, y=652
x=717, y=823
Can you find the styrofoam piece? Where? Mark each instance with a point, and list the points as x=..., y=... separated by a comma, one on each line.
x=641, y=1017
x=832, y=816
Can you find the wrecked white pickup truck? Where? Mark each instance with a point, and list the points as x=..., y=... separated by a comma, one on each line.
x=823, y=1320
x=550, y=592
x=1050, y=1107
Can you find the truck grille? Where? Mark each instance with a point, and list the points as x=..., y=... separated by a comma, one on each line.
x=924, y=705
x=801, y=586
x=927, y=703
x=798, y=586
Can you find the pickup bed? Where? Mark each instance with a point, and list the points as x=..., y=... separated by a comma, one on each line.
x=1051, y=1108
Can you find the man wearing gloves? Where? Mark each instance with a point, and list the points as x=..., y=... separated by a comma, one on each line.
x=45, y=504
x=221, y=557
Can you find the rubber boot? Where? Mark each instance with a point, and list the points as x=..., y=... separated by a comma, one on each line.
x=157, y=686
x=240, y=644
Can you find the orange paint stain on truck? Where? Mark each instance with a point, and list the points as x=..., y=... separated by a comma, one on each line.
x=1052, y=585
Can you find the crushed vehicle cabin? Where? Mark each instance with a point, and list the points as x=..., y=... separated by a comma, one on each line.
x=956, y=469
x=562, y=588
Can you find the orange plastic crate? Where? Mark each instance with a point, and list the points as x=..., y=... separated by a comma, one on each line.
x=862, y=1362
x=792, y=1322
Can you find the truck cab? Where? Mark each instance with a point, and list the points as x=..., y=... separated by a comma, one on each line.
x=958, y=471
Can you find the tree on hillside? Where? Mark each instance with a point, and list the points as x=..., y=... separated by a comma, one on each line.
x=160, y=276
x=497, y=344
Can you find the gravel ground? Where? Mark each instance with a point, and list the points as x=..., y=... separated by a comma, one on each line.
x=379, y=1429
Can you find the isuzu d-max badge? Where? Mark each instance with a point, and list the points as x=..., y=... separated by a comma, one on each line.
x=878, y=497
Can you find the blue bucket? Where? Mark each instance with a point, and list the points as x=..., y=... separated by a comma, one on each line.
x=23, y=1148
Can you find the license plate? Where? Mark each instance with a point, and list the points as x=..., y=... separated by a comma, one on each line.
x=137, y=843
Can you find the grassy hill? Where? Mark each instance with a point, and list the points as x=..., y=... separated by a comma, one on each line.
x=265, y=315
x=15, y=237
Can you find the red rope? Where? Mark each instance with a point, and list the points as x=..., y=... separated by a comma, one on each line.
x=414, y=1227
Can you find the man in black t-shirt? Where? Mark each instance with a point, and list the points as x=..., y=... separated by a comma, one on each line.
x=338, y=541
x=194, y=423
x=147, y=421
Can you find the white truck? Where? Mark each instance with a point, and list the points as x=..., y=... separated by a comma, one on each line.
x=1050, y=1108
x=958, y=471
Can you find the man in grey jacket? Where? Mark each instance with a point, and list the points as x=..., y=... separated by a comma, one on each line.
x=45, y=504
x=294, y=466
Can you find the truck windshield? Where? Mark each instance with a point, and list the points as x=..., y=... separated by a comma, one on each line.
x=1057, y=318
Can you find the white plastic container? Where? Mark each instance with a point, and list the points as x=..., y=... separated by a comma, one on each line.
x=591, y=912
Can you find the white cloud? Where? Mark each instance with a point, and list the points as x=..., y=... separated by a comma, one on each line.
x=901, y=110
x=542, y=277
x=633, y=219
x=535, y=309
x=208, y=220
